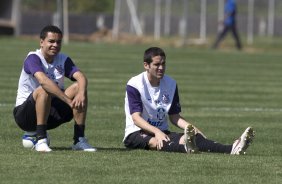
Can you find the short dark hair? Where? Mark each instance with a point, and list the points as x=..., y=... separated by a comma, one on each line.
x=49, y=28
x=152, y=52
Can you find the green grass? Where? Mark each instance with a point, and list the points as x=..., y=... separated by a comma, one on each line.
x=222, y=92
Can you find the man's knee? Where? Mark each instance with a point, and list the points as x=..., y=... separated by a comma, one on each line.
x=72, y=90
x=41, y=93
x=152, y=143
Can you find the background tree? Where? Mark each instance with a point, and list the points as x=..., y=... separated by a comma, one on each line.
x=75, y=6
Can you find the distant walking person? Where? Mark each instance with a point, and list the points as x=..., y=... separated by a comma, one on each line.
x=43, y=103
x=229, y=24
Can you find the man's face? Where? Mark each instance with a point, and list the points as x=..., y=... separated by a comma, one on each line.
x=156, y=69
x=51, y=45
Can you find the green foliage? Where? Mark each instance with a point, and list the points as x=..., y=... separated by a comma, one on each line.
x=83, y=6
x=222, y=92
x=40, y=5
x=75, y=6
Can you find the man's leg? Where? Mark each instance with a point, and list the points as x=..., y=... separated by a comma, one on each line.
x=220, y=37
x=140, y=140
x=206, y=145
x=236, y=37
x=176, y=143
x=42, y=105
x=172, y=146
x=79, y=116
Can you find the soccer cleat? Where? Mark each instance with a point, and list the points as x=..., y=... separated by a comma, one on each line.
x=190, y=139
x=42, y=145
x=240, y=145
x=83, y=145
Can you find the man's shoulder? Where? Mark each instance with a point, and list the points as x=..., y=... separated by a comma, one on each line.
x=32, y=55
x=169, y=79
x=62, y=56
x=135, y=79
x=32, y=58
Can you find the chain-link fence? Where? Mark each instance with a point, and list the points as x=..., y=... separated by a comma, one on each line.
x=195, y=18
x=162, y=18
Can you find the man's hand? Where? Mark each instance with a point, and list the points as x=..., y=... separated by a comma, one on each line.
x=79, y=102
x=160, y=137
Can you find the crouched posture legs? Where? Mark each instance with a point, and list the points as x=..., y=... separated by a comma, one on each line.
x=50, y=115
x=42, y=109
x=80, y=104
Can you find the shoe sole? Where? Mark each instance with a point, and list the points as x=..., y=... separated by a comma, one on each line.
x=190, y=142
x=250, y=134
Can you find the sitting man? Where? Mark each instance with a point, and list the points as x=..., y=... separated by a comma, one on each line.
x=151, y=99
x=42, y=101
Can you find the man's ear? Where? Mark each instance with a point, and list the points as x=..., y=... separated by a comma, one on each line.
x=41, y=41
x=146, y=65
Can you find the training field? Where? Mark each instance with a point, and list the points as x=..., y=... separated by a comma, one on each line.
x=222, y=93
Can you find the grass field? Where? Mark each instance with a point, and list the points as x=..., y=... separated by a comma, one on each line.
x=222, y=92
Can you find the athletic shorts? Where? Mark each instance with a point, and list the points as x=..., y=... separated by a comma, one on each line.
x=140, y=139
x=25, y=114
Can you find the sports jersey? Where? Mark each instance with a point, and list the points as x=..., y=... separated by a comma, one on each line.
x=62, y=66
x=154, y=103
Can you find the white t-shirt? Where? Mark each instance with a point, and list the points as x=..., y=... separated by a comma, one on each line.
x=61, y=67
x=154, y=103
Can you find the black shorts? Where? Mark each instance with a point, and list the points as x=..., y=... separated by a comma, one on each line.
x=140, y=139
x=25, y=114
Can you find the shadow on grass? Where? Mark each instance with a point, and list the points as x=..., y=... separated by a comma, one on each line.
x=98, y=149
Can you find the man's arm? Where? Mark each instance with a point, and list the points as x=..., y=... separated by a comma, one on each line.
x=52, y=88
x=144, y=125
x=180, y=122
x=80, y=100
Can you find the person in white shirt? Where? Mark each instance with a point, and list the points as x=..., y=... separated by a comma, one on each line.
x=151, y=100
x=43, y=102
